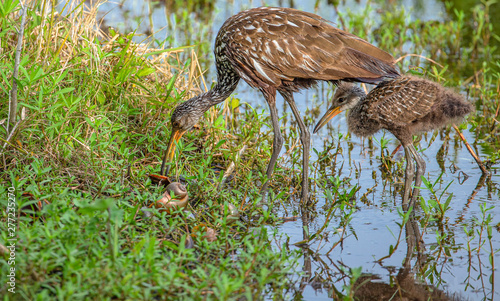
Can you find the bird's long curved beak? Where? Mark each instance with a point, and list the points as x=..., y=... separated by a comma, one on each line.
x=332, y=112
x=169, y=154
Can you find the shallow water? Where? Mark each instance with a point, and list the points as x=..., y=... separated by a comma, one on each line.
x=375, y=223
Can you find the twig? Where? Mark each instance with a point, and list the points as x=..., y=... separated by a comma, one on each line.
x=420, y=56
x=479, y=185
x=4, y=250
x=467, y=81
x=85, y=146
x=396, y=150
x=13, y=92
x=11, y=133
x=471, y=151
x=340, y=17
x=292, y=148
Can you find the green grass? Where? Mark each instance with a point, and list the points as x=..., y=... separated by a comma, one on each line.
x=97, y=109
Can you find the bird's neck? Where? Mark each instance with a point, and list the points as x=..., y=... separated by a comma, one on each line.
x=227, y=80
x=221, y=91
x=359, y=122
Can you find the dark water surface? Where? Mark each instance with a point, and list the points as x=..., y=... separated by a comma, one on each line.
x=375, y=226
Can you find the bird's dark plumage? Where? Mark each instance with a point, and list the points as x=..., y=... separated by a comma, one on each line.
x=286, y=48
x=282, y=50
x=404, y=106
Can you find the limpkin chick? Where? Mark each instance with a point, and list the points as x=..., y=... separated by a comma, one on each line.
x=404, y=106
x=276, y=49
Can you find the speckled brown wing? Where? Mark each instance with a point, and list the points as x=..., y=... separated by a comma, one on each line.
x=401, y=101
x=272, y=45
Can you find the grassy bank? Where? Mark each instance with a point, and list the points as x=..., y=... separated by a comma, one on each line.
x=96, y=106
x=93, y=117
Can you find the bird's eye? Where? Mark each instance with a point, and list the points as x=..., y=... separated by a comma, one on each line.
x=341, y=99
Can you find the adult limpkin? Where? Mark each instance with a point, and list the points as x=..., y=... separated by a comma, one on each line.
x=285, y=50
x=404, y=106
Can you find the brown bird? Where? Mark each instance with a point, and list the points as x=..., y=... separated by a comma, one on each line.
x=285, y=50
x=404, y=106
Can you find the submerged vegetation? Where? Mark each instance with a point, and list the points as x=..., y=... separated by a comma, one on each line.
x=92, y=124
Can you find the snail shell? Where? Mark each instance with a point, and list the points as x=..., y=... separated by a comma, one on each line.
x=232, y=214
x=210, y=234
x=175, y=197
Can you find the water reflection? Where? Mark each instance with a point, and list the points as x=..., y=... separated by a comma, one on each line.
x=333, y=278
x=403, y=285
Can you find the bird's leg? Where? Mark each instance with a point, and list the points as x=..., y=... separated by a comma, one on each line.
x=409, y=173
x=278, y=138
x=411, y=241
x=414, y=243
x=305, y=138
x=420, y=172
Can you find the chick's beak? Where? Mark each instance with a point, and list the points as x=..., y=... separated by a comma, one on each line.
x=169, y=154
x=332, y=112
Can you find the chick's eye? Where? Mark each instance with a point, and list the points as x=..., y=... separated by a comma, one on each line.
x=341, y=99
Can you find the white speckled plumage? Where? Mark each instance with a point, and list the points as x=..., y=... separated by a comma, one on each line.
x=404, y=106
